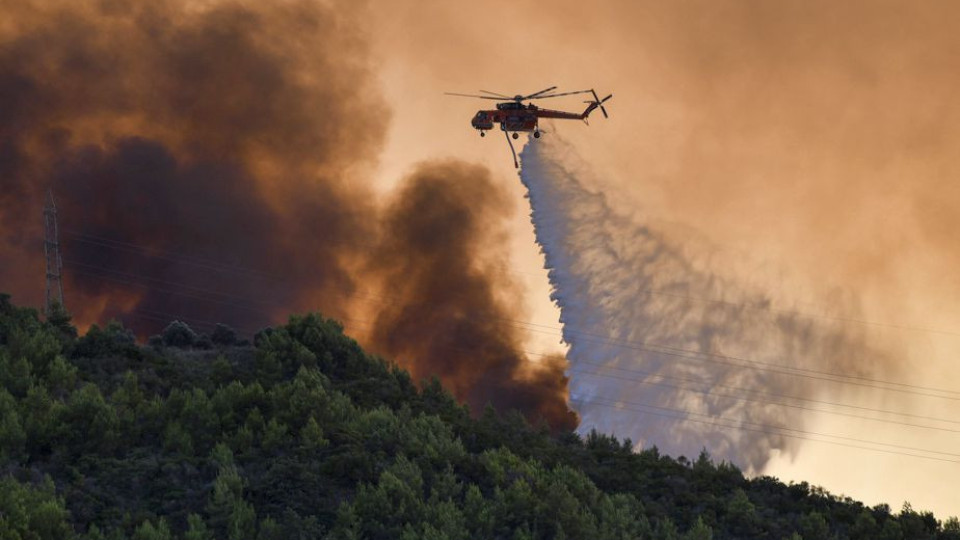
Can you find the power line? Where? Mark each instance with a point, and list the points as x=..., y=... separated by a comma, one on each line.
x=742, y=425
x=108, y=277
x=739, y=398
x=807, y=315
x=167, y=255
x=614, y=405
x=504, y=269
x=653, y=348
x=354, y=321
x=758, y=365
x=764, y=428
x=776, y=403
x=747, y=390
x=679, y=352
x=740, y=389
x=595, y=374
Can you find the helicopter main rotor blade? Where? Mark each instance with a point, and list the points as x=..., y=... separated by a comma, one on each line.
x=564, y=94
x=495, y=94
x=474, y=96
x=533, y=95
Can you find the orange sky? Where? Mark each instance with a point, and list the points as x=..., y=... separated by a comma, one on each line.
x=811, y=143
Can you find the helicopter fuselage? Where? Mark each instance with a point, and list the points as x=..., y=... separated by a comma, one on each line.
x=517, y=117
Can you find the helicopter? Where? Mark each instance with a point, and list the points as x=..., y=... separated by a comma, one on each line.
x=514, y=116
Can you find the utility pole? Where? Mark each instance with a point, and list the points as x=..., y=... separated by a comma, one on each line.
x=51, y=251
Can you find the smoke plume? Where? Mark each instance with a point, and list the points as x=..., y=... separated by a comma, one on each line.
x=663, y=347
x=210, y=162
x=441, y=262
x=200, y=155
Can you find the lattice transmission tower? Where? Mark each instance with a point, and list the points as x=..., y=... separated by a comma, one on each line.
x=51, y=251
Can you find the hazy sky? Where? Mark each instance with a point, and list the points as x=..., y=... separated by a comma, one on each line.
x=811, y=145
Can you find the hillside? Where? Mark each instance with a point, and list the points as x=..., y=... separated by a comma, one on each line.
x=302, y=434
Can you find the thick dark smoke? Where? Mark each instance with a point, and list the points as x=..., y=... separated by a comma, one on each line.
x=200, y=155
x=210, y=162
x=452, y=307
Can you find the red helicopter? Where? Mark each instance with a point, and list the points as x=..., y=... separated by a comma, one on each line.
x=513, y=116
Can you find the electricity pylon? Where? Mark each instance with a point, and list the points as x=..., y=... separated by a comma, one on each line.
x=51, y=251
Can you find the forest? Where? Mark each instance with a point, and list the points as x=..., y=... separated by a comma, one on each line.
x=301, y=434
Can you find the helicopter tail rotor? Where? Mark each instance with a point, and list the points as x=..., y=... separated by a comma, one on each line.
x=600, y=102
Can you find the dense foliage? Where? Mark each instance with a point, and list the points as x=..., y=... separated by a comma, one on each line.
x=303, y=435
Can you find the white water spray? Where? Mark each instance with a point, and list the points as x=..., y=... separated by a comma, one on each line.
x=663, y=348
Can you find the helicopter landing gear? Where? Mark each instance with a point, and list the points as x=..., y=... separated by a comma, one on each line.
x=516, y=135
x=536, y=134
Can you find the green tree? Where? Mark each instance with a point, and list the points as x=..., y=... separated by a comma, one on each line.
x=478, y=513
x=396, y=500
x=112, y=340
x=15, y=374
x=147, y=531
x=622, y=516
x=13, y=437
x=59, y=318
x=699, y=531
x=864, y=526
x=230, y=515
x=915, y=524
x=40, y=415
x=270, y=530
x=951, y=529
x=311, y=436
x=890, y=531
x=742, y=514
x=179, y=334
x=223, y=336
x=222, y=370
x=347, y=526
x=32, y=512
x=88, y=423
x=61, y=377
x=200, y=420
x=274, y=436
x=177, y=439
x=665, y=530
x=94, y=533
x=813, y=526
x=38, y=345
x=196, y=528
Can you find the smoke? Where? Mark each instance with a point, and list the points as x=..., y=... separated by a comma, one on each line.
x=658, y=330
x=200, y=155
x=440, y=262
x=210, y=163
